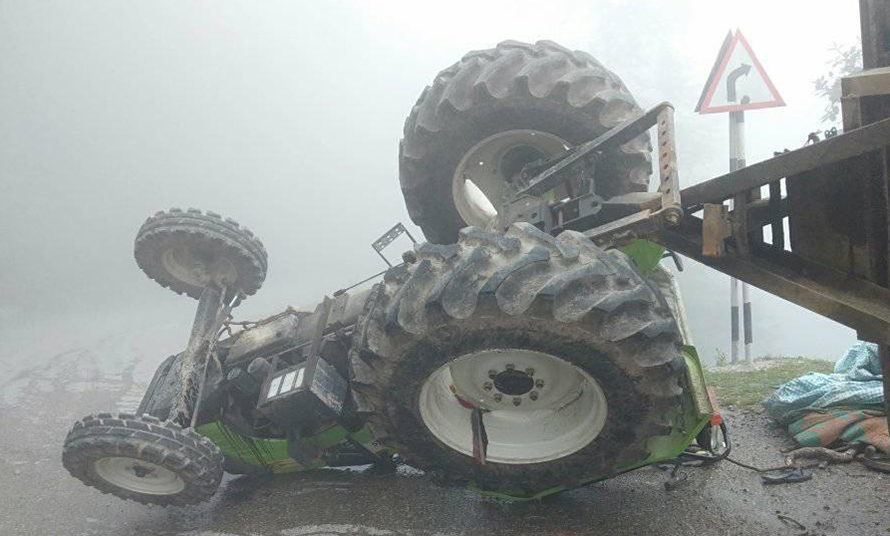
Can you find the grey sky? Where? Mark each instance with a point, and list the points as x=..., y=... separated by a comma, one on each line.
x=287, y=115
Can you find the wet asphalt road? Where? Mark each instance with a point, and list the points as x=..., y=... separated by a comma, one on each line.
x=52, y=377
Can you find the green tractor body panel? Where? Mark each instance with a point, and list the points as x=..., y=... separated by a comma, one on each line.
x=272, y=453
x=645, y=254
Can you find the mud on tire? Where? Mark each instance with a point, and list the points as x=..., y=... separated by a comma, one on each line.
x=192, y=458
x=543, y=87
x=527, y=290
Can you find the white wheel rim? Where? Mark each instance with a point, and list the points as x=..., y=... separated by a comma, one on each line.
x=139, y=476
x=198, y=269
x=482, y=177
x=563, y=411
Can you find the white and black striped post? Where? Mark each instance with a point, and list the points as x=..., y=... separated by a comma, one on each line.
x=734, y=317
x=736, y=162
x=746, y=319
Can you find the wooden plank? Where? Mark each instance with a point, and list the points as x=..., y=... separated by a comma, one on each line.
x=854, y=143
x=715, y=229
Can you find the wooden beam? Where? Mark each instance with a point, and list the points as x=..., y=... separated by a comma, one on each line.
x=874, y=16
x=850, y=144
x=851, y=301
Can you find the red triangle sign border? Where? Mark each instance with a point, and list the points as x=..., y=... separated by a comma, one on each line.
x=733, y=38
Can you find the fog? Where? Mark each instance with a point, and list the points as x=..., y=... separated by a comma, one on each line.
x=286, y=116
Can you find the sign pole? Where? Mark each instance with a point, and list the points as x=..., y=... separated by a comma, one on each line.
x=737, y=162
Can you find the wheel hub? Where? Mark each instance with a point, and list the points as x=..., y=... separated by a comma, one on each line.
x=483, y=176
x=537, y=407
x=198, y=268
x=513, y=382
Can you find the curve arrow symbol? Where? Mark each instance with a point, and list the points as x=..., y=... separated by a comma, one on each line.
x=732, y=78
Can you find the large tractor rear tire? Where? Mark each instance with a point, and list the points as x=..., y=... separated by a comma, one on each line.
x=572, y=355
x=496, y=110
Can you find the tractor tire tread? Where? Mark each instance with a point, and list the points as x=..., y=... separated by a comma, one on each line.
x=181, y=450
x=513, y=85
x=562, y=287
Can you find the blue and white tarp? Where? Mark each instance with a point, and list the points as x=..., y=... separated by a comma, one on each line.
x=856, y=383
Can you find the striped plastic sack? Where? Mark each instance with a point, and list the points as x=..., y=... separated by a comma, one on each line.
x=856, y=383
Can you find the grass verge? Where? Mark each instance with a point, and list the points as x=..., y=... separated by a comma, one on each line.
x=744, y=387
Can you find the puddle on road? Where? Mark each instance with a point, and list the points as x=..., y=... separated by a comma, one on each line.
x=332, y=529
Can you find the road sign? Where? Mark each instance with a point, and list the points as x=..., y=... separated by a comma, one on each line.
x=737, y=81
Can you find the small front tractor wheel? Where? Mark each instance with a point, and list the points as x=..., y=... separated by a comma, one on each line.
x=143, y=459
x=186, y=250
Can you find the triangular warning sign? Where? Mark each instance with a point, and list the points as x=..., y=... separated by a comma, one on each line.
x=737, y=81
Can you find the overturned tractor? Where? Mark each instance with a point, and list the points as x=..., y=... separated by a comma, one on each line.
x=534, y=344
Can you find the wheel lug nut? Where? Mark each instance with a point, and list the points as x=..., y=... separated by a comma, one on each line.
x=530, y=371
x=510, y=367
x=533, y=395
x=497, y=397
x=539, y=383
x=492, y=374
x=487, y=386
x=517, y=401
